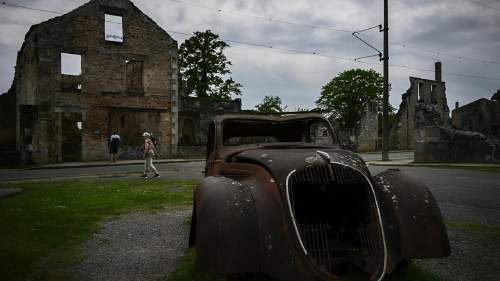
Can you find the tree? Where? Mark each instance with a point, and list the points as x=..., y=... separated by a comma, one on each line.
x=270, y=104
x=204, y=67
x=346, y=96
x=496, y=96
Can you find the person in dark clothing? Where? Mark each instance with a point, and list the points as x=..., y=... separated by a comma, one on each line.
x=114, y=146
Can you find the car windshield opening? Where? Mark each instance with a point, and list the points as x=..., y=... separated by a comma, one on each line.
x=241, y=132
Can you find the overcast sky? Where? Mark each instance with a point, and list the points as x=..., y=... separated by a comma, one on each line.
x=465, y=36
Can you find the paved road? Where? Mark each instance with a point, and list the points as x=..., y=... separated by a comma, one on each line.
x=469, y=196
x=180, y=170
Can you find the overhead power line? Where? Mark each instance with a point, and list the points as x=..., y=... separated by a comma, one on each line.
x=272, y=20
x=267, y=19
x=289, y=50
x=436, y=52
x=30, y=8
x=347, y=59
x=484, y=5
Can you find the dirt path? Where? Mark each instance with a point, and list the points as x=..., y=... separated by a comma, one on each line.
x=136, y=247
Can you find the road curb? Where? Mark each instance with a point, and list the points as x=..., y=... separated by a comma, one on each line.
x=92, y=165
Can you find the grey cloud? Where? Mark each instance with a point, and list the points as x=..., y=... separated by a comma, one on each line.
x=296, y=78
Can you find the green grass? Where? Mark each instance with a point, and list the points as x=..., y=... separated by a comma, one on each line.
x=186, y=271
x=42, y=228
x=468, y=168
x=475, y=227
x=412, y=272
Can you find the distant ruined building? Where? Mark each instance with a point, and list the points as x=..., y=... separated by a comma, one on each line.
x=102, y=67
x=363, y=138
x=423, y=124
x=195, y=115
x=482, y=116
x=421, y=91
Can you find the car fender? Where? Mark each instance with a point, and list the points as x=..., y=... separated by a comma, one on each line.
x=226, y=227
x=412, y=220
x=259, y=239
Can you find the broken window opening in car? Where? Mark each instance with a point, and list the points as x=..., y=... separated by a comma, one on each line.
x=244, y=132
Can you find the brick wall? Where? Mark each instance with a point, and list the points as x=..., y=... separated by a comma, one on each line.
x=100, y=93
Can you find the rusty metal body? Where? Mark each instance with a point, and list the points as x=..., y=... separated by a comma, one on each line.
x=296, y=209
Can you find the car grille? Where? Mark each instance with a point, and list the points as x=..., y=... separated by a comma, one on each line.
x=319, y=238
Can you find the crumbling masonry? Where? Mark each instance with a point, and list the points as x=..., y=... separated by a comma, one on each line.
x=102, y=67
x=421, y=91
x=423, y=124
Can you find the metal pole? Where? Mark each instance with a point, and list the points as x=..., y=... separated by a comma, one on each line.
x=385, y=100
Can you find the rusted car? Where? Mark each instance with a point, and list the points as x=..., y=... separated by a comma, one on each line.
x=282, y=200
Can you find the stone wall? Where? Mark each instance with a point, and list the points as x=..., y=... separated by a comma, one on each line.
x=437, y=141
x=128, y=87
x=421, y=91
x=195, y=115
x=363, y=138
x=8, y=121
x=481, y=116
x=368, y=133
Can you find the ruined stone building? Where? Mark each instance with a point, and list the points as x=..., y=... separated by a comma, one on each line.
x=195, y=115
x=102, y=67
x=471, y=137
x=368, y=139
x=482, y=116
x=421, y=91
x=439, y=142
x=363, y=138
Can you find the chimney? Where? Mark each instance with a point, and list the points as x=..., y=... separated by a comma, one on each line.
x=456, y=105
x=437, y=70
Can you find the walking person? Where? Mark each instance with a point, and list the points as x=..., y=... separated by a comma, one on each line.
x=148, y=155
x=114, y=146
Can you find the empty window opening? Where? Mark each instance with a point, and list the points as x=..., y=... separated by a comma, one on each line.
x=133, y=76
x=79, y=125
x=113, y=28
x=71, y=64
x=419, y=86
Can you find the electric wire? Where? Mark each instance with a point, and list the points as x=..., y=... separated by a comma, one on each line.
x=484, y=5
x=399, y=43
x=437, y=52
x=318, y=54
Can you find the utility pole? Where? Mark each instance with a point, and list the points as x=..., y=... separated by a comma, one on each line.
x=385, y=99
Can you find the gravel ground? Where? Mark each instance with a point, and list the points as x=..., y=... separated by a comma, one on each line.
x=475, y=256
x=138, y=246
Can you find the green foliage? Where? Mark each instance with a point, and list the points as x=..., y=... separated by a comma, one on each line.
x=479, y=228
x=412, y=272
x=49, y=220
x=347, y=95
x=270, y=104
x=496, y=96
x=204, y=67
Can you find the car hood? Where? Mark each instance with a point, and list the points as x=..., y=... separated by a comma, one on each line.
x=280, y=162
